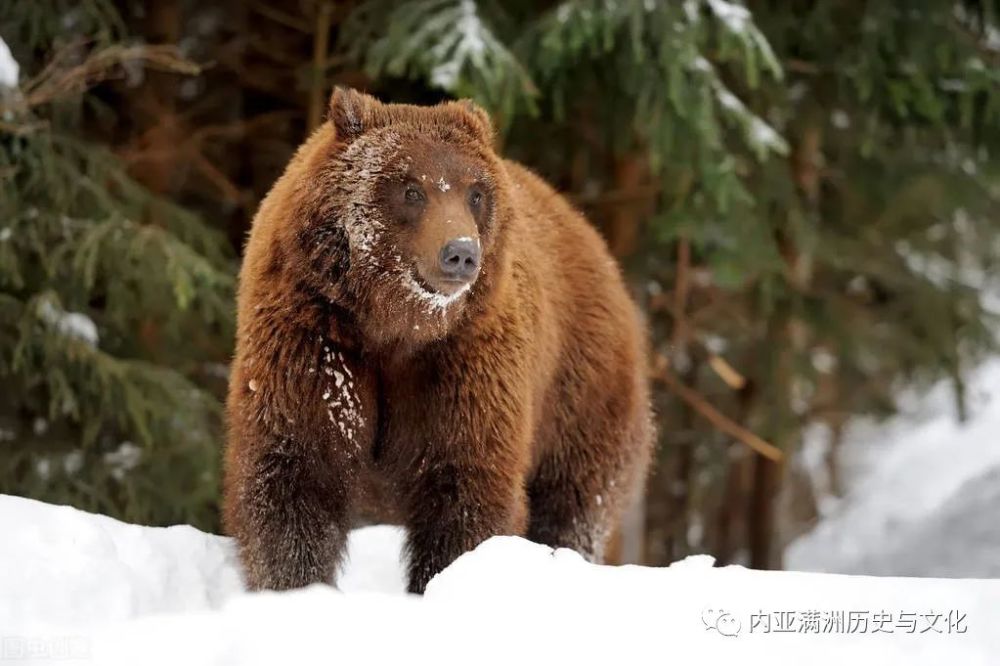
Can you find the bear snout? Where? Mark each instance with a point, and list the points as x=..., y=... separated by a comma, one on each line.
x=459, y=259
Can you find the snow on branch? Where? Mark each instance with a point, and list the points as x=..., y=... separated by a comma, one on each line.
x=9, y=69
x=64, y=75
x=465, y=46
x=448, y=43
x=74, y=325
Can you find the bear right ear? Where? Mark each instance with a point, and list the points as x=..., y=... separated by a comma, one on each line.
x=350, y=112
x=480, y=120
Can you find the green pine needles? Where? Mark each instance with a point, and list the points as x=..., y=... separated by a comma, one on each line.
x=115, y=306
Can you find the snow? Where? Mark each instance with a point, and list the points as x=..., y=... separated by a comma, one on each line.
x=59, y=565
x=363, y=163
x=735, y=17
x=922, y=493
x=345, y=402
x=71, y=324
x=468, y=44
x=759, y=134
x=958, y=539
x=812, y=458
x=64, y=566
x=433, y=299
x=9, y=69
x=123, y=459
x=840, y=119
x=730, y=101
x=74, y=584
x=763, y=135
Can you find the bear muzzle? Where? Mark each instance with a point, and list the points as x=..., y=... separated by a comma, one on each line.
x=458, y=260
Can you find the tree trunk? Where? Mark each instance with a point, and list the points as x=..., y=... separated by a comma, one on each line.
x=623, y=225
x=321, y=51
x=762, y=543
x=154, y=106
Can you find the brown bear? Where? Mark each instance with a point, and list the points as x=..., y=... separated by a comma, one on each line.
x=428, y=335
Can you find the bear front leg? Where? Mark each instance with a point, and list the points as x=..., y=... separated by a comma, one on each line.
x=290, y=515
x=455, y=507
x=576, y=499
x=296, y=440
x=571, y=509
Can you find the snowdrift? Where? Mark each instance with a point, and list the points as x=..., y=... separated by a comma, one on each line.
x=922, y=490
x=77, y=586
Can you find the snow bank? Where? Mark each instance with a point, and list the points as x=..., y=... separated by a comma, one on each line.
x=920, y=499
x=59, y=565
x=77, y=585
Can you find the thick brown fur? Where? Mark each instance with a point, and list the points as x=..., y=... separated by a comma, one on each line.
x=517, y=405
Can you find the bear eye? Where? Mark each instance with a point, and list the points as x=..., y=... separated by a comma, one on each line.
x=413, y=195
x=475, y=198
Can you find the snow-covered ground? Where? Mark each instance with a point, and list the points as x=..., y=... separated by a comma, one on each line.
x=78, y=586
x=923, y=491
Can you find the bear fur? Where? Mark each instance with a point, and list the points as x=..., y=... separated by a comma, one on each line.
x=515, y=405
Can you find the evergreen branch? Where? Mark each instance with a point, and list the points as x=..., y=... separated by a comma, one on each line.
x=88, y=386
x=62, y=78
x=449, y=44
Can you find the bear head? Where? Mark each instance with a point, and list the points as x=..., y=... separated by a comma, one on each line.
x=401, y=215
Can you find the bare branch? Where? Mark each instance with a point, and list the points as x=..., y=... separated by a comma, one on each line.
x=723, y=423
x=60, y=78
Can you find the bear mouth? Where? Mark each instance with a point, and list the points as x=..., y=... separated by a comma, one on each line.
x=427, y=292
x=424, y=284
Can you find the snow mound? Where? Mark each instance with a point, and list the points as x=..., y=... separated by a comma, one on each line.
x=959, y=538
x=65, y=566
x=78, y=585
x=919, y=500
x=61, y=565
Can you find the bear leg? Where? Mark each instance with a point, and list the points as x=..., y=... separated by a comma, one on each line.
x=453, y=509
x=577, y=501
x=292, y=518
x=301, y=423
x=570, y=511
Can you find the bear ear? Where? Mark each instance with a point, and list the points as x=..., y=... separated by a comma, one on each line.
x=479, y=120
x=350, y=112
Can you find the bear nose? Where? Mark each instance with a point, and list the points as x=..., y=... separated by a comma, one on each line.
x=459, y=258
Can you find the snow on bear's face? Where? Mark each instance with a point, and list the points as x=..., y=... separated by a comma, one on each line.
x=407, y=228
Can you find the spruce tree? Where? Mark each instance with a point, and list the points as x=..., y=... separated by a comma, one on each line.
x=115, y=305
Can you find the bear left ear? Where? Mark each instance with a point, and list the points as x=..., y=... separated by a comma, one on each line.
x=350, y=112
